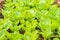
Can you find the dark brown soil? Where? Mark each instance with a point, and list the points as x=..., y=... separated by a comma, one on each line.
x=41, y=37
x=1, y=16
x=1, y=7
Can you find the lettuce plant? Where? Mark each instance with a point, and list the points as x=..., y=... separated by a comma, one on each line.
x=30, y=20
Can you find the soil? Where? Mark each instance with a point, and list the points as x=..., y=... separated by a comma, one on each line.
x=41, y=37
x=1, y=16
x=1, y=3
x=57, y=2
x=1, y=7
